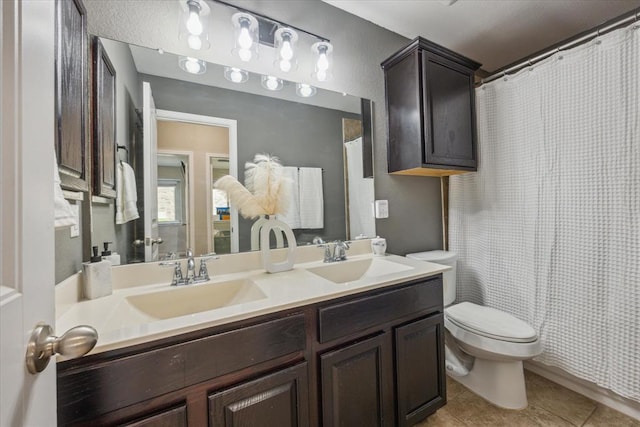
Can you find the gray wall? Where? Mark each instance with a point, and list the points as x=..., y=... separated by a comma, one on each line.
x=312, y=137
x=359, y=48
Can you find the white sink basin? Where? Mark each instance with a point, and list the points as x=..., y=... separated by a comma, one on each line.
x=351, y=271
x=190, y=299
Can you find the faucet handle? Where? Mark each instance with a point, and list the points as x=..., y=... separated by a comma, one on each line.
x=177, y=271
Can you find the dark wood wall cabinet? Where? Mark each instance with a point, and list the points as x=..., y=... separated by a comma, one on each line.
x=71, y=77
x=104, y=123
x=383, y=367
x=430, y=111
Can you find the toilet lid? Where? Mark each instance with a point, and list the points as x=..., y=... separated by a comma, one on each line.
x=491, y=323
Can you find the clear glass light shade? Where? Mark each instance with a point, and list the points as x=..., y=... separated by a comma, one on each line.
x=272, y=83
x=235, y=75
x=245, y=36
x=305, y=90
x=192, y=65
x=323, y=52
x=193, y=28
x=285, y=48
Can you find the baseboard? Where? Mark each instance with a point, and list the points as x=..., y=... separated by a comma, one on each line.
x=586, y=388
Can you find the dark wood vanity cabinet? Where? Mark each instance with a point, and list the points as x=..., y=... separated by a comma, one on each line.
x=430, y=111
x=374, y=359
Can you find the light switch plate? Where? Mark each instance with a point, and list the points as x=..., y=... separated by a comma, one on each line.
x=382, y=209
x=74, y=230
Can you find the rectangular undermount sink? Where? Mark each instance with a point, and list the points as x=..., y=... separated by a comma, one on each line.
x=351, y=271
x=191, y=299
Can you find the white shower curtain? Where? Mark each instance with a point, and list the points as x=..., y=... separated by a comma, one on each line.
x=548, y=229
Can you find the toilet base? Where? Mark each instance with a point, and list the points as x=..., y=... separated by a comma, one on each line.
x=501, y=383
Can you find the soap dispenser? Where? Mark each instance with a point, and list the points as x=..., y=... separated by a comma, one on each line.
x=96, y=276
x=107, y=255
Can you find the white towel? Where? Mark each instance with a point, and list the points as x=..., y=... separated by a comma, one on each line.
x=126, y=194
x=292, y=216
x=311, y=198
x=63, y=215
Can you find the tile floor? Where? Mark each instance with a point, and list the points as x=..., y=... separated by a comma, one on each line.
x=550, y=405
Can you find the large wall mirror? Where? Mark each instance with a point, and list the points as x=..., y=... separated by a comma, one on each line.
x=207, y=126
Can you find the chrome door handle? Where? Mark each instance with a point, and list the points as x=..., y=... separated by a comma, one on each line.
x=43, y=344
x=150, y=242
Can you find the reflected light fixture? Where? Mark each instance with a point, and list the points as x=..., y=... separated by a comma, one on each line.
x=246, y=35
x=304, y=90
x=236, y=75
x=192, y=65
x=285, y=41
x=272, y=83
x=323, y=51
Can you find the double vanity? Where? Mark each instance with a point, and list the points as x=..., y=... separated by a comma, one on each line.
x=357, y=342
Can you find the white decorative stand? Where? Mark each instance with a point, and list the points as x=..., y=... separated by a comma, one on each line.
x=279, y=228
x=255, y=234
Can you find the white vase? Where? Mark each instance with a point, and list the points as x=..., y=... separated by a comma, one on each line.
x=278, y=227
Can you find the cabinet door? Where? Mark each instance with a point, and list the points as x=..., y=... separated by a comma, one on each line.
x=356, y=384
x=449, y=121
x=174, y=417
x=276, y=400
x=104, y=123
x=71, y=94
x=420, y=376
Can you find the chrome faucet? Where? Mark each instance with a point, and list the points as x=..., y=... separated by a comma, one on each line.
x=191, y=277
x=333, y=251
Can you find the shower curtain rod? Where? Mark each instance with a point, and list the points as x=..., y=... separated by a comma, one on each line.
x=581, y=38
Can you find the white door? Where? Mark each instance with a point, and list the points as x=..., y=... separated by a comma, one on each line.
x=26, y=207
x=150, y=143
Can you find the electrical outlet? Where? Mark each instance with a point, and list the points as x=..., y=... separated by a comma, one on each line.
x=74, y=230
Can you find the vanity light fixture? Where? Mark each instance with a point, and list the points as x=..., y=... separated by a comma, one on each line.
x=246, y=35
x=192, y=65
x=304, y=90
x=236, y=75
x=285, y=41
x=196, y=33
x=272, y=83
x=322, y=50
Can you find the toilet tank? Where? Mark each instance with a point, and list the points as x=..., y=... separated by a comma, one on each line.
x=448, y=277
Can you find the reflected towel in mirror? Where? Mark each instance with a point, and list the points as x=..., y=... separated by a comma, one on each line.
x=126, y=194
x=311, y=198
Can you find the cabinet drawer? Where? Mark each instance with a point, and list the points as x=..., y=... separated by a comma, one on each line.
x=95, y=390
x=346, y=318
x=174, y=417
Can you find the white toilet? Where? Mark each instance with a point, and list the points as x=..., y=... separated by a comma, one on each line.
x=484, y=347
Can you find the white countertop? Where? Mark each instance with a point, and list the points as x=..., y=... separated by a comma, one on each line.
x=119, y=324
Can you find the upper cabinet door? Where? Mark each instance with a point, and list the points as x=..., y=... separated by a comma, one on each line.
x=71, y=94
x=450, y=135
x=430, y=111
x=104, y=123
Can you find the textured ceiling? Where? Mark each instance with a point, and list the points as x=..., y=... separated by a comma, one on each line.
x=492, y=32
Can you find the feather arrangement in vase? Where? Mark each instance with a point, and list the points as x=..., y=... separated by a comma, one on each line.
x=266, y=190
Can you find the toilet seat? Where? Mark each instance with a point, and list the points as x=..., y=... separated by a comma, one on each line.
x=491, y=323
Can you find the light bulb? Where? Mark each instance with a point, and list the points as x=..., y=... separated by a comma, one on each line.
x=323, y=62
x=244, y=54
x=236, y=75
x=285, y=65
x=194, y=26
x=305, y=90
x=192, y=65
x=321, y=75
x=244, y=39
x=272, y=83
x=286, y=52
x=194, y=42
